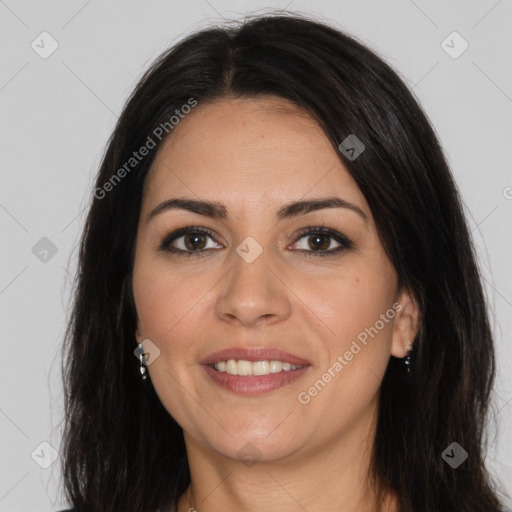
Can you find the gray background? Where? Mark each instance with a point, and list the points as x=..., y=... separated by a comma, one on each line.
x=57, y=114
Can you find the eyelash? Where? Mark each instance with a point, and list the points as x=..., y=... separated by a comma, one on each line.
x=345, y=242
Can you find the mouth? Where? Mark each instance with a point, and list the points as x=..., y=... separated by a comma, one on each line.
x=251, y=368
x=254, y=371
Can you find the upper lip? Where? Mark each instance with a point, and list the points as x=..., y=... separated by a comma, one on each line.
x=253, y=354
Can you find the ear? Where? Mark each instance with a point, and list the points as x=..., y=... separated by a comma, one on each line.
x=405, y=325
x=138, y=330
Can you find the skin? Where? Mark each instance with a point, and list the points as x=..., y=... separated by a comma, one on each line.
x=254, y=156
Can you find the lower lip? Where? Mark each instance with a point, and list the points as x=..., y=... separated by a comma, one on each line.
x=253, y=385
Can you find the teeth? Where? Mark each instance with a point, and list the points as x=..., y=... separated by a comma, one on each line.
x=242, y=367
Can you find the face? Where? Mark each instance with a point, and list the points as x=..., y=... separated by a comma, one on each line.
x=252, y=278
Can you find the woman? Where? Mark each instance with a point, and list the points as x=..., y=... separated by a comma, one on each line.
x=278, y=305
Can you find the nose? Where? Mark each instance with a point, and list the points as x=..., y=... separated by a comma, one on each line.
x=253, y=293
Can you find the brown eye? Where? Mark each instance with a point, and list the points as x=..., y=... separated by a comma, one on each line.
x=187, y=241
x=194, y=241
x=320, y=240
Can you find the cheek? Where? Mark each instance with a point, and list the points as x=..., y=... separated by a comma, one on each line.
x=347, y=380
x=156, y=307
x=167, y=316
x=170, y=308
x=162, y=302
x=360, y=319
x=360, y=316
x=352, y=302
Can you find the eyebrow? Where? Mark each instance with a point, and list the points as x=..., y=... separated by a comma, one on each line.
x=216, y=210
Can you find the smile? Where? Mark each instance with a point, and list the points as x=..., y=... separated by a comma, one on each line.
x=243, y=367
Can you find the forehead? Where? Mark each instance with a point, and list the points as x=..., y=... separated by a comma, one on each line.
x=249, y=151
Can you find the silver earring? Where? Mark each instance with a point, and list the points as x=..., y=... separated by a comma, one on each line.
x=408, y=363
x=408, y=358
x=142, y=368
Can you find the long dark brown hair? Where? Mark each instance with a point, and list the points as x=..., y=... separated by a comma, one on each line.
x=122, y=451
